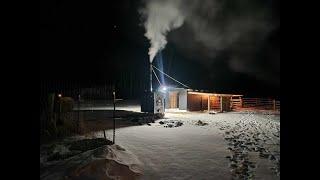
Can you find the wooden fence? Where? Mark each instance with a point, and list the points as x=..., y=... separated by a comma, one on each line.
x=255, y=103
x=236, y=103
x=277, y=107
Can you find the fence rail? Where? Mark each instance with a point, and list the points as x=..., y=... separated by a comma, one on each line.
x=236, y=103
x=261, y=103
x=255, y=103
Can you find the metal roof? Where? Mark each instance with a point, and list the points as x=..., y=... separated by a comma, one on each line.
x=213, y=94
x=202, y=92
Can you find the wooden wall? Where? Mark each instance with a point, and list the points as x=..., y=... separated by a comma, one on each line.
x=226, y=103
x=215, y=103
x=196, y=102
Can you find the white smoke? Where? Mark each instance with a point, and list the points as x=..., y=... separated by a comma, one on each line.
x=212, y=28
x=161, y=16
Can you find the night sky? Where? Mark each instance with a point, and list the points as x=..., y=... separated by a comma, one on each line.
x=98, y=42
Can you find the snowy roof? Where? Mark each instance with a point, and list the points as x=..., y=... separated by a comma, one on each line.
x=213, y=94
x=203, y=92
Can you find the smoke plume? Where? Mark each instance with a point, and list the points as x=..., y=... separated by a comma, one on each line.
x=161, y=16
x=207, y=29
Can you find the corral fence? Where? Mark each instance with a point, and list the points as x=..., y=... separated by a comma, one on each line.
x=255, y=103
x=236, y=103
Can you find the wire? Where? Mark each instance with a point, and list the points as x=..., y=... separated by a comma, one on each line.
x=156, y=76
x=170, y=77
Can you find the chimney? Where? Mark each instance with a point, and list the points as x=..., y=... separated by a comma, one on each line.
x=150, y=77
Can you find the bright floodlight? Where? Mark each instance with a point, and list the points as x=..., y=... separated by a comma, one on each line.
x=59, y=95
x=164, y=88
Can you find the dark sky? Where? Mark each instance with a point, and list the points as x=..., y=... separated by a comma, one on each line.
x=102, y=41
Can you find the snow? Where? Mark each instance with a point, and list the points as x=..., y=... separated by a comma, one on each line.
x=105, y=162
x=125, y=157
x=233, y=145
x=128, y=105
x=199, y=152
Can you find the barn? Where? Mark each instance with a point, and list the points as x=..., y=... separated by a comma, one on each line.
x=166, y=98
x=193, y=100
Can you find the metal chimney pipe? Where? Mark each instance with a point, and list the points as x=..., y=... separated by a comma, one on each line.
x=150, y=77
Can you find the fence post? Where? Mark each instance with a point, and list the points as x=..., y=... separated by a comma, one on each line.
x=221, y=109
x=114, y=118
x=104, y=134
x=208, y=103
x=274, y=104
x=78, y=123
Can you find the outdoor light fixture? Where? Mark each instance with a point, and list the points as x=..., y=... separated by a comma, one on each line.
x=59, y=95
x=163, y=88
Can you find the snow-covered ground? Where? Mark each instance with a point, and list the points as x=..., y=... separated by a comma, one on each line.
x=128, y=105
x=236, y=145
x=105, y=162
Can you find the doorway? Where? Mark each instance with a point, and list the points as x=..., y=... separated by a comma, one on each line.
x=173, y=100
